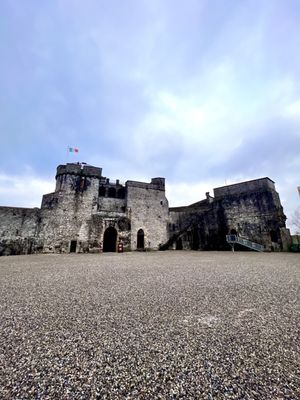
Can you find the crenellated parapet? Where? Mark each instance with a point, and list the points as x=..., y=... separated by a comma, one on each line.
x=245, y=187
x=88, y=212
x=79, y=169
x=155, y=184
x=76, y=176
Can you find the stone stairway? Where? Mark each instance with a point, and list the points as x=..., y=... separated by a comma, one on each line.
x=233, y=239
x=173, y=238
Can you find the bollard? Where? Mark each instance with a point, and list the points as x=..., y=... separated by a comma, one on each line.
x=120, y=247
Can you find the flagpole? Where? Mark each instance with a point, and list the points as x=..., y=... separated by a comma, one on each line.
x=71, y=150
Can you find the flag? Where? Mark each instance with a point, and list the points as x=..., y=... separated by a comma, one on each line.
x=73, y=150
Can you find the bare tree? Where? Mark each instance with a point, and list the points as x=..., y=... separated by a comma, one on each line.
x=295, y=220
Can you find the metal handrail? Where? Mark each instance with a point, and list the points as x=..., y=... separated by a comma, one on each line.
x=232, y=239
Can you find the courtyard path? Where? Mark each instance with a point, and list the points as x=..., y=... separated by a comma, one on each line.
x=160, y=325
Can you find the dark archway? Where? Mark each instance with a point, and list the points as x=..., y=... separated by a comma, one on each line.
x=102, y=191
x=121, y=193
x=233, y=232
x=110, y=240
x=195, y=239
x=274, y=236
x=140, y=239
x=179, y=244
x=73, y=246
x=112, y=192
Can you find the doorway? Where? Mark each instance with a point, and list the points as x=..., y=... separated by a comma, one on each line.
x=274, y=236
x=140, y=239
x=179, y=244
x=73, y=246
x=195, y=239
x=110, y=240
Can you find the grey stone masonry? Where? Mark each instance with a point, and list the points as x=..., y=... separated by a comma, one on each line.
x=250, y=209
x=19, y=229
x=149, y=209
x=89, y=213
x=244, y=187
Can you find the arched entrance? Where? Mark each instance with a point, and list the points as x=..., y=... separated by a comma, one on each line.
x=274, y=236
x=140, y=239
x=179, y=244
x=110, y=240
x=73, y=246
x=195, y=239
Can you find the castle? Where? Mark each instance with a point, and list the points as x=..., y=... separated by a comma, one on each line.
x=89, y=213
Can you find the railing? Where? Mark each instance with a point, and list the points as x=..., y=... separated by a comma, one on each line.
x=232, y=239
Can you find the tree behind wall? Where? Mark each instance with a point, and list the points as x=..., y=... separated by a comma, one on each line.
x=296, y=220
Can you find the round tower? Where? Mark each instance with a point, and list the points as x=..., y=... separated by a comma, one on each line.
x=75, y=177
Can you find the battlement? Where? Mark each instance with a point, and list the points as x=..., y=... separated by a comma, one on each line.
x=88, y=212
x=79, y=169
x=159, y=182
x=156, y=184
x=244, y=187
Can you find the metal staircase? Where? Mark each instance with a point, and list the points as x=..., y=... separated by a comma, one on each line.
x=233, y=239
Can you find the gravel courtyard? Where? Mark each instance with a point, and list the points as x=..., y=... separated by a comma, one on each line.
x=161, y=325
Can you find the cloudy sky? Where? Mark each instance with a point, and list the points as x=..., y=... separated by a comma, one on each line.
x=202, y=92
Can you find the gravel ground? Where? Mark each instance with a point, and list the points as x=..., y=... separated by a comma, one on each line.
x=163, y=325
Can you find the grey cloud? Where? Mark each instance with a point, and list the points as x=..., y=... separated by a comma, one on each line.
x=80, y=74
x=267, y=150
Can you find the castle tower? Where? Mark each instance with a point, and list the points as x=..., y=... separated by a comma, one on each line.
x=76, y=177
x=66, y=211
x=149, y=211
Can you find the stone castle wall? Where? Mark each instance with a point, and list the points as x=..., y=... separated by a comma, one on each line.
x=65, y=213
x=244, y=187
x=19, y=229
x=85, y=205
x=257, y=216
x=88, y=213
x=251, y=210
x=149, y=209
